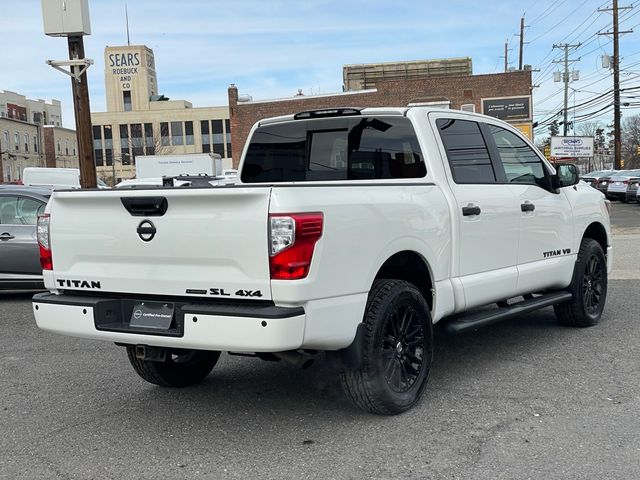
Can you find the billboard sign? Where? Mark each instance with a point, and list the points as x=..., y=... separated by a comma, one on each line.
x=574, y=147
x=509, y=109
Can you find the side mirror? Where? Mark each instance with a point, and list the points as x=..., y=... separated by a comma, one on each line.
x=566, y=176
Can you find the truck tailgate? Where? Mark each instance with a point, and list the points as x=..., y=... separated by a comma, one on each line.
x=210, y=242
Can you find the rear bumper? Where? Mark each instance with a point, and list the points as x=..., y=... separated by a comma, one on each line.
x=202, y=326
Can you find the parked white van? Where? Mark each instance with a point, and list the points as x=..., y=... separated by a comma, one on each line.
x=51, y=177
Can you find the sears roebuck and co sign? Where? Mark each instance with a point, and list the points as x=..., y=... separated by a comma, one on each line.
x=126, y=65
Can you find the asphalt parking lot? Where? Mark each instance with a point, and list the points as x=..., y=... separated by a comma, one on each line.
x=525, y=399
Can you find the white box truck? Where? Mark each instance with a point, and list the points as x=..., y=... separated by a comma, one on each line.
x=158, y=166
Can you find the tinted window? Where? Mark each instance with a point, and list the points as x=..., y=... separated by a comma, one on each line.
x=341, y=148
x=520, y=162
x=466, y=151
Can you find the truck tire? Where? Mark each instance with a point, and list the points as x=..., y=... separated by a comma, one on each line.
x=397, y=350
x=179, y=369
x=589, y=288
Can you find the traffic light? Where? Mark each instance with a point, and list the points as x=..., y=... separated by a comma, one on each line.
x=622, y=163
x=638, y=149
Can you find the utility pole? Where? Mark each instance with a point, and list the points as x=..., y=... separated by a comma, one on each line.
x=76, y=24
x=1, y=164
x=617, y=138
x=521, y=42
x=82, y=110
x=566, y=61
x=506, y=55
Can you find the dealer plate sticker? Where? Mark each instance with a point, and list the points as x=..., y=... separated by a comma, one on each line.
x=152, y=315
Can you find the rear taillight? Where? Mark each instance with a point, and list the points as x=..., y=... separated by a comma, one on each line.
x=46, y=259
x=292, y=239
x=626, y=182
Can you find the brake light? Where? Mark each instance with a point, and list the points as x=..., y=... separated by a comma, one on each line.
x=626, y=182
x=292, y=239
x=46, y=258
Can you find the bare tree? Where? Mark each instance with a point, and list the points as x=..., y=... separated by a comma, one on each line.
x=588, y=129
x=631, y=141
x=144, y=145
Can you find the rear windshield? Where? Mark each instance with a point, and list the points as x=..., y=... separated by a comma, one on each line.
x=344, y=148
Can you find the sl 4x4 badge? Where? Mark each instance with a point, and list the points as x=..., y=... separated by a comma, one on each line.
x=221, y=292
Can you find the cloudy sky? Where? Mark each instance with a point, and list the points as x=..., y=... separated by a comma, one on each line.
x=270, y=48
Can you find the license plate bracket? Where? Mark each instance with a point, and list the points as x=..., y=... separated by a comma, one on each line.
x=154, y=315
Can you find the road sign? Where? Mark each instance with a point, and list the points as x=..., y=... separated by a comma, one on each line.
x=576, y=147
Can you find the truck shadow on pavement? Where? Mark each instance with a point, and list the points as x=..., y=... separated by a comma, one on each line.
x=251, y=387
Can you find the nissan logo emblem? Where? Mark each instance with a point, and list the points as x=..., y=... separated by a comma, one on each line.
x=146, y=231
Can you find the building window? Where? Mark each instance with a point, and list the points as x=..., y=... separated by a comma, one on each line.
x=137, y=142
x=227, y=136
x=164, y=134
x=149, y=141
x=75, y=148
x=176, y=133
x=59, y=148
x=5, y=136
x=206, y=138
x=124, y=145
x=35, y=144
x=97, y=145
x=26, y=142
x=218, y=137
x=66, y=147
x=16, y=140
x=126, y=95
x=188, y=133
x=108, y=145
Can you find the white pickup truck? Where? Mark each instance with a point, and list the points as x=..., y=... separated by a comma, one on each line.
x=351, y=232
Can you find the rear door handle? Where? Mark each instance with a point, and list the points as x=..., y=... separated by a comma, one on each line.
x=471, y=210
x=6, y=236
x=527, y=207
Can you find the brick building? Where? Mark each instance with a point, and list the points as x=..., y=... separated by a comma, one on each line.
x=31, y=135
x=466, y=92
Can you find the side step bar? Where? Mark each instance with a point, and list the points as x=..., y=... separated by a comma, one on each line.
x=460, y=324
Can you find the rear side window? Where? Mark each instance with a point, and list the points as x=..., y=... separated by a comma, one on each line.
x=520, y=162
x=340, y=148
x=466, y=151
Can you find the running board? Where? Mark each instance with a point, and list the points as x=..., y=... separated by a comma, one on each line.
x=460, y=324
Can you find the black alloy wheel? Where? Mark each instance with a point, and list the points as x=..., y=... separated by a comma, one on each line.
x=403, y=348
x=589, y=287
x=397, y=350
x=592, y=285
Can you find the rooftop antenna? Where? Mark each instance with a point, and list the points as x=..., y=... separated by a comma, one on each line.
x=126, y=14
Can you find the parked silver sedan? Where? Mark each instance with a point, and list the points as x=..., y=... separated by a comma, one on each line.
x=19, y=252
